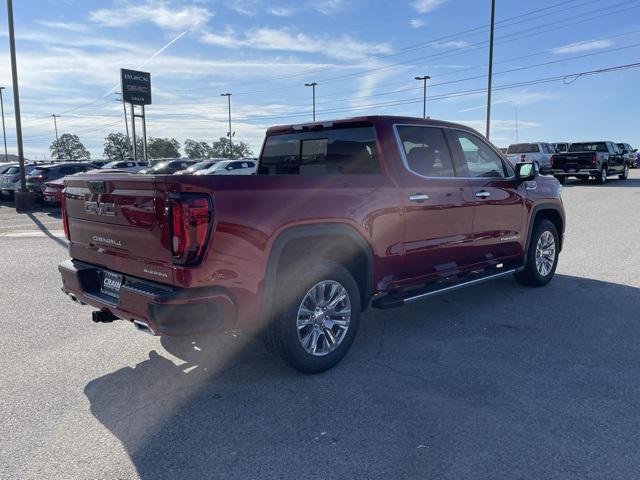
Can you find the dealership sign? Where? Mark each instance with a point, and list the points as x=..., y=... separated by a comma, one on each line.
x=136, y=87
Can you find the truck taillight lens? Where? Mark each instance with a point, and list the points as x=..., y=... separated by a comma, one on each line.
x=65, y=218
x=552, y=160
x=191, y=219
x=594, y=159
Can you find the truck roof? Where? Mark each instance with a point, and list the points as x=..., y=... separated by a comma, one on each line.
x=374, y=119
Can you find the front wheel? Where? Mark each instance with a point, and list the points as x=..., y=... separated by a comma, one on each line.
x=316, y=316
x=625, y=173
x=542, y=255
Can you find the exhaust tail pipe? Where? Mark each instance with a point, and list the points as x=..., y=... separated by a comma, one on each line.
x=143, y=327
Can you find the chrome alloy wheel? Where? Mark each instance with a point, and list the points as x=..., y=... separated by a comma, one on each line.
x=323, y=318
x=545, y=253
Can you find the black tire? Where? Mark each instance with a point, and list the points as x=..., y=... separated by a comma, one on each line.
x=531, y=275
x=601, y=178
x=562, y=179
x=625, y=173
x=282, y=336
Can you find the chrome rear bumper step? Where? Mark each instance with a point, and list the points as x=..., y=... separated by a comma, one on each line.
x=397, y=300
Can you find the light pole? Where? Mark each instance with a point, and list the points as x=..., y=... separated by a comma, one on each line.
x=4, y=131
x=313, y=85
x=228, y=95
x=424, y=94
x=126, y=122
x=55, y=125
x=23, y=199
x=493, y=19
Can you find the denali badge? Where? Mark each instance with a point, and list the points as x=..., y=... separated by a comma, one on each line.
x=100, y=208
x=107, y=241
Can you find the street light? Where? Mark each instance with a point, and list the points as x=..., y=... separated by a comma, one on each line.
x=228, y=95
x=55, y=125
x=4, y=131
x=424, y=96
x=313, y=85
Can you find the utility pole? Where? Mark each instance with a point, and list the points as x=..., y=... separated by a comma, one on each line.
x=490, y=80
x=313, y=85
x=126, y=121
x=55, y=125
x=228, y=95
x=517, y=139
x=424, y=94
x=23, y=199
x=4, y=131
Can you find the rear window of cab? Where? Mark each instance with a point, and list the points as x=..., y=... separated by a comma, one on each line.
x=331, y=151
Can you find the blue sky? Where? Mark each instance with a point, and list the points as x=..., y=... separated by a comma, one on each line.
x=363, y=54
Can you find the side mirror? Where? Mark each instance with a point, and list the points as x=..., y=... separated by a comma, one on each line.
x=526, y=171
x=635, y=150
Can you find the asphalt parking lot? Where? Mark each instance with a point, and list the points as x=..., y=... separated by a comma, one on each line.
x=495, y=381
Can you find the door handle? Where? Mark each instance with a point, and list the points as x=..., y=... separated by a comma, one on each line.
x=418, y=197
x=483, y=194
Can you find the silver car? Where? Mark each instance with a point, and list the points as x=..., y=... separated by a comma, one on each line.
x=10, y=180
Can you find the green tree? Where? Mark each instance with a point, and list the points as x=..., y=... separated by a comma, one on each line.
x=196, y=150
x=162, y=148
x=116, y=146
x=221, y=149
x=69, y=147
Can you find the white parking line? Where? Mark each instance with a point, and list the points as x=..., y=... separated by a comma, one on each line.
x=58, y=222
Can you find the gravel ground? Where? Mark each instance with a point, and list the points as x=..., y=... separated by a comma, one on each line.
x=495, y=381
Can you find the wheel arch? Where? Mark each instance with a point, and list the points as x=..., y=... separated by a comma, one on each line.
x=339, y=243
x=551, y=212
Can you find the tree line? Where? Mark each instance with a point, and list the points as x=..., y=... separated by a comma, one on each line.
x=117, y=147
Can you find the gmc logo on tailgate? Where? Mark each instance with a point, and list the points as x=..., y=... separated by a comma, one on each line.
x=100, y=208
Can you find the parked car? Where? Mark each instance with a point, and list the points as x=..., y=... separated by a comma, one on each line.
x=167, y=167
x=128, y=165
x=373, y=211
x=231, y=167
x=6, y=166
x=590, y=159
x=630, y=153
x=45, y=173
x=531, y=152
x=53, y=191
x=10, y=180
x=560, y=147
x=201, y=165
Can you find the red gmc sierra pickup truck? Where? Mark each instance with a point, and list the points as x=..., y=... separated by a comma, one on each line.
x=341, y=215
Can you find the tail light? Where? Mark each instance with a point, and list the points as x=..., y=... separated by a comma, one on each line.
x=523, y=157
x=65, y=218
x=594, y=159
x=191, y=220
x=552, y=161
x=38, y=178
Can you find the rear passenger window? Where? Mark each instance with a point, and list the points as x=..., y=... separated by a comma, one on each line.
x=337, y=151
x=426, y=151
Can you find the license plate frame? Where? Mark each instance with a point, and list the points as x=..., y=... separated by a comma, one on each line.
x=111, y=283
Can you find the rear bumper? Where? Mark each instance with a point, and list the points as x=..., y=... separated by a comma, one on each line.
x=579, y=171
x=166, y=310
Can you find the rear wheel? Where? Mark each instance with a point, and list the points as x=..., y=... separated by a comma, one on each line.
x=562, y=179
x=316, y=316
x=601, y=178
x=625, y=173
x=542, y=255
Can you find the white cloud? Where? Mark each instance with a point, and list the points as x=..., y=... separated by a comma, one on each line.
x=584, y=46
x=450, y=44
x=424, y=6
x=71, y=27
x=416, y=23
x=282, y=11
x=161, y=13
x=329, y=7
x=244, y=7
x=344, y=47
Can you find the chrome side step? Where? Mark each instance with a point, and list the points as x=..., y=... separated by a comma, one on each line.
x=395, y=300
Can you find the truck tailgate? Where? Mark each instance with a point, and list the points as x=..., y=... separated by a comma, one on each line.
x=119, y=222
x=572, y=161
